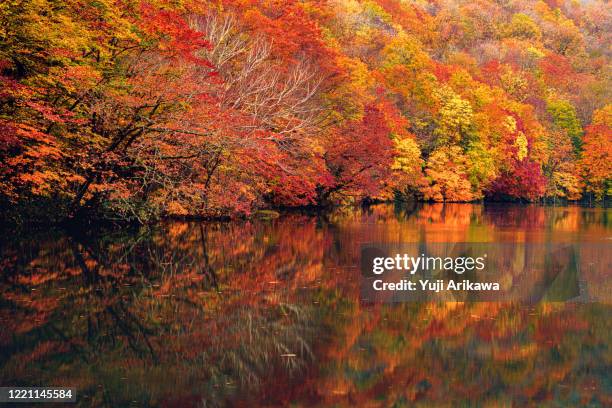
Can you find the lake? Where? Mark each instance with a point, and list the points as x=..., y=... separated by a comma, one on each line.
x=270, y=313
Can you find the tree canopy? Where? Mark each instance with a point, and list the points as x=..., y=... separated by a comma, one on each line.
x=144, y=109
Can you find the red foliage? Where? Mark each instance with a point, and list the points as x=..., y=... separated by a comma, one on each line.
x=524, y=181
x=175, y=36
x=290, y=28
x=557, y=70
x=8, y=136
x=443, y=72
x=491, y=72
x=359, y=157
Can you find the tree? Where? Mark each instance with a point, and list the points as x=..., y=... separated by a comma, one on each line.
x=560, y=168
x=523, y=180
x=359, y=157
x=596, y=162
x=252, y=136
x=564, y=117
x=522, y=26
x=447, y=171
x=454, y=119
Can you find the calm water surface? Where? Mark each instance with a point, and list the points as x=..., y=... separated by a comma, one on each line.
x=268, y=313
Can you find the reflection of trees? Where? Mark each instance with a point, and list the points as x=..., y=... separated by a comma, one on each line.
x=469, y=354
x=488, y=354
x=206, y=305
x=269, y=312
x=453, y=222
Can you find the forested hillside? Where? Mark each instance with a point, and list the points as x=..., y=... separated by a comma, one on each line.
x=142, y=109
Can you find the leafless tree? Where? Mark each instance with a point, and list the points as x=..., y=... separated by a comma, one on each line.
x=281, y=101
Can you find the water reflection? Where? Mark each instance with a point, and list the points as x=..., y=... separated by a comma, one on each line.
x=268, y=313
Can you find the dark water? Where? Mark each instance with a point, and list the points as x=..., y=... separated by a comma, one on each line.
x=268, y=313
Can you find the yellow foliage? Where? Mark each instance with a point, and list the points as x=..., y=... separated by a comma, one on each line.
x=455, y=116
x=603, y=116
x=175, y=208
x=408, y=157
x=521, y=146
x=569, y=185
x=447, y=171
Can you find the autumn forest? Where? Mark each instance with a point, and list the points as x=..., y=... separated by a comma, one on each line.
x=139, y=110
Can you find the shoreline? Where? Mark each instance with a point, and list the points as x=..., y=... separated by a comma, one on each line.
x=83, y=224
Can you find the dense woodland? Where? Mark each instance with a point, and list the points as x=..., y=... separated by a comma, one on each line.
x=137, y=110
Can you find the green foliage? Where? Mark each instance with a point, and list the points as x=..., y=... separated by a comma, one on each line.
x=564, y=117
x=483, y=169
